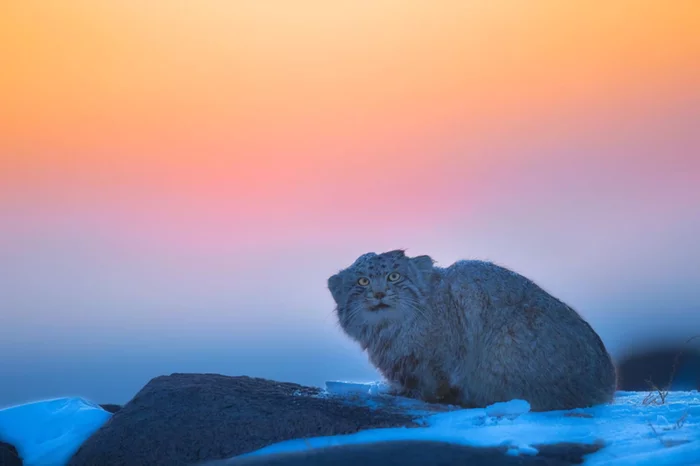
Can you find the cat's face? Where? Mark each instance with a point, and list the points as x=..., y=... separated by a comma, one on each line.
x=378, y=287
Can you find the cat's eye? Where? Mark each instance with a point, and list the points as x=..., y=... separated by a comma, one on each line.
x=363, y=281
x=393, y=276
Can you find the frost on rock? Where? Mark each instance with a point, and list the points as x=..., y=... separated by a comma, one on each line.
x=353, y=388
x=377, y=396
x=522, y=449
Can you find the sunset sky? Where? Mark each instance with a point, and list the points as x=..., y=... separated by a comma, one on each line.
x=179, y=179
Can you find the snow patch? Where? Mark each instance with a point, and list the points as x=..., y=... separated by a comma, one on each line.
x=633, y=432
x=511, y=409
x=50, y=431
x=355, y=388
x=523, y=449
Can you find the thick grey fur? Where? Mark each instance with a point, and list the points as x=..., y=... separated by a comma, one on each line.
x=471, y=334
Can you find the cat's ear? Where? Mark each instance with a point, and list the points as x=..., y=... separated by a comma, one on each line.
x=335, y=285
x=423, y=263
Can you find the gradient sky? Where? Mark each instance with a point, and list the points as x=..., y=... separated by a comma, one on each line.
x=179, y=179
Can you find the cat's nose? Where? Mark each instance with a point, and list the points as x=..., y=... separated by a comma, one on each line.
x=379, y=294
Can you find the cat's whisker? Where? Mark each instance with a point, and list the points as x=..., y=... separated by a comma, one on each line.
x=352, y=314
x=416, y=307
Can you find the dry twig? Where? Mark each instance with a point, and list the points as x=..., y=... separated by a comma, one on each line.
x=658, y=395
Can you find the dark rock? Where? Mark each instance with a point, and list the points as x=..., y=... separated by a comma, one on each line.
x=570, y=453
x=111, y=408
x=187, y=418
x=416, y=453
x=666, y=368
x=9, y=455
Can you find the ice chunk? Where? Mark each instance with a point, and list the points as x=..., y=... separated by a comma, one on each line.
x=50, y=431
x=512, y=408
x=528, y=450
x=347, y=388
x=354, y=388
x=378, y=388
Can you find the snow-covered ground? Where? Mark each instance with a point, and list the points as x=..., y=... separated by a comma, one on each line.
x=637, y=429
x=49, y=432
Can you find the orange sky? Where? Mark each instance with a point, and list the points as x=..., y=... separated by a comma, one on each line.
x=142, y=106
x=231, y=79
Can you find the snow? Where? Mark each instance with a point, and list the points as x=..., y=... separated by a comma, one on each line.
x=512, y=408
x=637, y=429
x=50, y=431
x=349, y=388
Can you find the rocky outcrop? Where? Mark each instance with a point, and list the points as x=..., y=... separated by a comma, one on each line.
x=111, y=408
x=8, y=455
x=195, y=419
x=188, y=418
